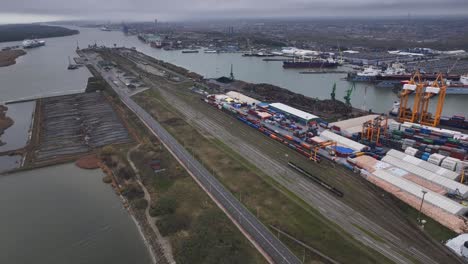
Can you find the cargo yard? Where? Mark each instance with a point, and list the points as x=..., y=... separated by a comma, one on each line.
x=370, y=146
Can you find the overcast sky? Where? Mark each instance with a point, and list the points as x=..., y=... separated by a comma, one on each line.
x=12, y=11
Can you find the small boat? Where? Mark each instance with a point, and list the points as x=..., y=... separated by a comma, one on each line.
x=210, y=51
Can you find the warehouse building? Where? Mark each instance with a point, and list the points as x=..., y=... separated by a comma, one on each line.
x=351, y=126
x=293, y=113
x=241, y=98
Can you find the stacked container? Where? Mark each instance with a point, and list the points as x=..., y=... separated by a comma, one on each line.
x=436, y=159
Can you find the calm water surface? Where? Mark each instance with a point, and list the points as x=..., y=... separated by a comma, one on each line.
x=16, y=136
x=63, y=214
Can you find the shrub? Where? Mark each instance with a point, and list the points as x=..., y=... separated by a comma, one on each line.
x=165, y=205
x=172, y=223
x=133, y=191
x=140, y=203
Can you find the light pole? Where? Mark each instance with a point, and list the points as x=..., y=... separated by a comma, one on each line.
x=420, y=208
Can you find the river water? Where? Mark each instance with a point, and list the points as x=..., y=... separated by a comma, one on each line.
x=43, y=71
x=63, y=214
x=17, y=135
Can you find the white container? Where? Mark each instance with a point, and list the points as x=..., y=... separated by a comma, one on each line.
x=447, y=184
x=449, y=164
x=424, y=164
x=436, y=159
x=411, y=151
x=433, y=198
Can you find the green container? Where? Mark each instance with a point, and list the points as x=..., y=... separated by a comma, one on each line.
x=428, y=140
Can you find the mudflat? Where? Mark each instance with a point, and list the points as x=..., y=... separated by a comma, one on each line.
x=8, y=57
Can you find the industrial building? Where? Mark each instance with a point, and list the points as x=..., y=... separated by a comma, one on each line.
x=291, y=112
x=242, y=98
x=351, y=126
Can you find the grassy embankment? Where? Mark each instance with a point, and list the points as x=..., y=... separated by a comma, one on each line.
x=198, y=230
x=273, y=204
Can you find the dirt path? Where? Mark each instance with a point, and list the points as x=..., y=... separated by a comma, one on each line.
x=151, y=220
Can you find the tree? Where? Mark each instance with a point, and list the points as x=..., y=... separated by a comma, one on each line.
x=165, y=205
x=173, y=223
x=108, y=151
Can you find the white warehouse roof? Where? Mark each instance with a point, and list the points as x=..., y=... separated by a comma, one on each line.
x=242, y=98
x=293, y=111
x=353, y=122
x=342, y=141
x=416, y=190
x=446, y=183
x=424, y=164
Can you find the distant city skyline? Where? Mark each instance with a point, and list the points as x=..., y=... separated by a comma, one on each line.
x=27, y=11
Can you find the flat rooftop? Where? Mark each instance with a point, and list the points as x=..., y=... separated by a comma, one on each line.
x=296, y=112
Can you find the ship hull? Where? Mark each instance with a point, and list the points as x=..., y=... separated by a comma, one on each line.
x=308, y=64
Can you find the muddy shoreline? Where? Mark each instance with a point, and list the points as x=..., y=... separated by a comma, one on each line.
x=8, y=57
x=5, y=121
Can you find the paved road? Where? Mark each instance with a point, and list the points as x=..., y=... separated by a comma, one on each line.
x=273, y=247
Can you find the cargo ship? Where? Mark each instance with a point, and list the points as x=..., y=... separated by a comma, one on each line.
x=312, y=63
x=258, y=54
x=394, y=73
x=33, y=43
x=190, y=51
x=457, y=121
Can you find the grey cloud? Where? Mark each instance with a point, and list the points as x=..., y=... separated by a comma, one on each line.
x=187, y=9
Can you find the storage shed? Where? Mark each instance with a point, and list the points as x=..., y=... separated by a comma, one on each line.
x=299, y=115
x=342, y=141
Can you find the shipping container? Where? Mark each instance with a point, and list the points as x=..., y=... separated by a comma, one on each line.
x=448, y=184
x=430, y=197
x=423, y=164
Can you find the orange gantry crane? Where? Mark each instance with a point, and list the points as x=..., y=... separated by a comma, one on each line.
x=322, y=145
x=438, y=87
x=372, y=129
x=415, y=86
